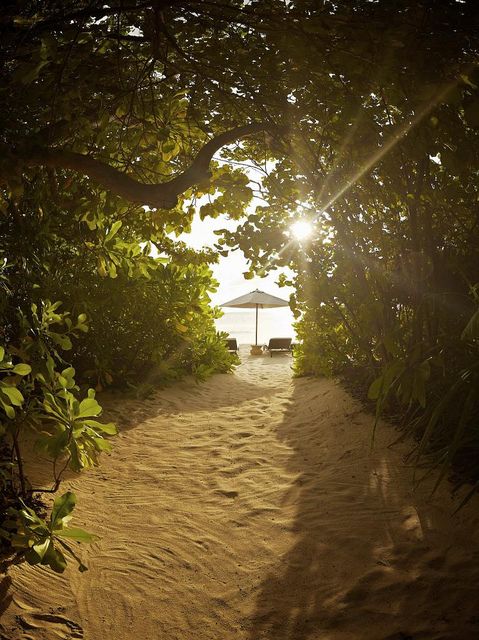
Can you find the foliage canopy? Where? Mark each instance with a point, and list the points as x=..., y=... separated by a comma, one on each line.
x=359, y=116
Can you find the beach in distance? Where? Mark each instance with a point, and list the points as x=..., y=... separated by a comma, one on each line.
x=272, y=323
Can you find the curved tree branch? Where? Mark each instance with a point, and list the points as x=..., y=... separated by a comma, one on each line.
x=164, y=195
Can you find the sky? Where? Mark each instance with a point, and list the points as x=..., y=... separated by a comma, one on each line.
x=240, y=323
x=229, y=271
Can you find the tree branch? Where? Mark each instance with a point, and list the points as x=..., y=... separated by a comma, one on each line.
x=164, y=195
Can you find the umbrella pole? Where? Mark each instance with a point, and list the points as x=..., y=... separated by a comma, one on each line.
x=256, y=337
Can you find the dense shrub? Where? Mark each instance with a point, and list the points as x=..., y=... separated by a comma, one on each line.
x=84, y=304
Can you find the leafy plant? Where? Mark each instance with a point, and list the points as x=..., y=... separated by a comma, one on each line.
x=39, y=397
x=45, y=541
x=10, y=395
x=74, y=431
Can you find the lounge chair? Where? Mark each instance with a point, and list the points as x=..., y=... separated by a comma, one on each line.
x=232, y=345
x=278, y=344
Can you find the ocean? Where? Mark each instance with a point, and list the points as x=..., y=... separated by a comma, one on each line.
x=272, y=323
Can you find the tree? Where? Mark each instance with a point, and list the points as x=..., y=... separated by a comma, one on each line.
x=75, y=258
x=383, y=159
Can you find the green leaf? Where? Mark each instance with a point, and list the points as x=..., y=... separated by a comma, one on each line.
x=77, y=534
x=66, y=378
x=10, y=411
x=62, y=507
x=22, y=369
x=54, y=445
x=55, y=559
x=169, y=149
x=63, y=381
x=31, y=556
x=61, y=340
x=50, y=367
x=53, y=408
x=109, y=427
x=102, y=445
x=42, y=548
x=88, y=407
x=115, y=227
x=13, y=394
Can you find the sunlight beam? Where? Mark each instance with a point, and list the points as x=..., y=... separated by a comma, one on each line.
x=402, y=132
x=394, y=139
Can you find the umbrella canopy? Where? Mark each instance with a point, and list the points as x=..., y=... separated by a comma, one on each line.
x=256, y=297
x=256, y=300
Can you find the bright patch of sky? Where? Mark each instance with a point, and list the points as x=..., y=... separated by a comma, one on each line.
x=230, y=269
x=228, y=272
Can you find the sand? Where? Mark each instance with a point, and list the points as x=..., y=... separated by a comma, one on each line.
x=251, y=507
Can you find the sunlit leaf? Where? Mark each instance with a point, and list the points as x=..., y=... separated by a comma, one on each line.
x=62, y=507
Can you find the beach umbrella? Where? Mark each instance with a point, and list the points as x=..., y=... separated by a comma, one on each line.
x=256, y=300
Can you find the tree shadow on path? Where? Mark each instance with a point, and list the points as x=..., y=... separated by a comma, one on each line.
x=370, y=559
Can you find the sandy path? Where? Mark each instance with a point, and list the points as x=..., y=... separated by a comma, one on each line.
x=250, y=507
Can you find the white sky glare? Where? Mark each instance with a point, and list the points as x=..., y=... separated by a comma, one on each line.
x=229, y=270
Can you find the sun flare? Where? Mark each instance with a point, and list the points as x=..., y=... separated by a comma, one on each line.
x=301, y=229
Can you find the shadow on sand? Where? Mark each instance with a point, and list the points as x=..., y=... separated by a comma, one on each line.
x=5, y=597
x=129, y=411
x=361, y=541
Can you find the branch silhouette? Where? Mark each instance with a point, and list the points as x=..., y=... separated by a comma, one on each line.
x=163, y=195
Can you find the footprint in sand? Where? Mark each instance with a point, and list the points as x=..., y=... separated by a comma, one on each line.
x=53, y=625
x=227, y=494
